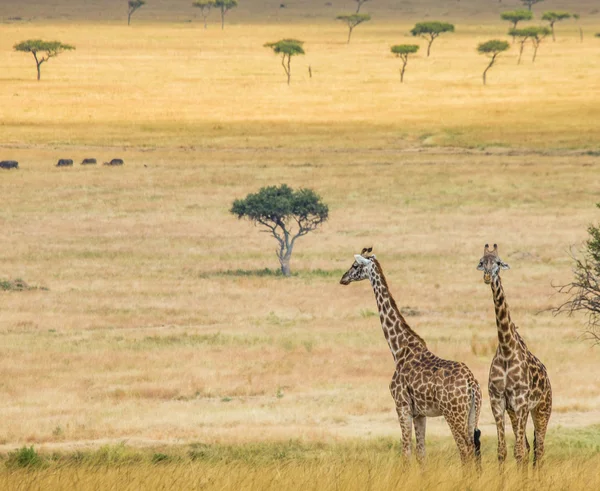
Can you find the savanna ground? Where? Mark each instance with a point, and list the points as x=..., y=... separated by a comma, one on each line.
x=152, y=348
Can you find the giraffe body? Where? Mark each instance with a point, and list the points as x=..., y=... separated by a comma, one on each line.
x=423, y=385
x=518, y=382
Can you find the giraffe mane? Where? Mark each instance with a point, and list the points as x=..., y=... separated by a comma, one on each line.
x=395, y=307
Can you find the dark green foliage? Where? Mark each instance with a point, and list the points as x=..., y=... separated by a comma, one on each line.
x=584, y=290
x=133, y=6
x=553, y=17
x=431, y=30
x=159, y=458
x=18, y=285
x=287, y=48
x=37, y=46
x=225, y=6
x=285, y=213
x=402, y=51
x=491, y=48
x=352, y=20
x=516, y=16
x=24, y=457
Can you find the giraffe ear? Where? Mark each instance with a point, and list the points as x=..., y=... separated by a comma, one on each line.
x=361, y=260
x=503, y=265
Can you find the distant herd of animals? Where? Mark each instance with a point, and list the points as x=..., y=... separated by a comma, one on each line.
x=13, y=164
x=425, y=385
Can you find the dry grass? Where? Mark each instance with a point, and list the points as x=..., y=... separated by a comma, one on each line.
x=143, y=328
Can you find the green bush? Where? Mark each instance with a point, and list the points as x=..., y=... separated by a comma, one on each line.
x=24, y=457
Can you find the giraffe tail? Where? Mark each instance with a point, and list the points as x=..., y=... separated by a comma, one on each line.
x=474, y=411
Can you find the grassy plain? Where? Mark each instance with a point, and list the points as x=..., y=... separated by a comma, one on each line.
x=156, y=324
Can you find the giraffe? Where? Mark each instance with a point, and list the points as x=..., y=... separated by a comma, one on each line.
x=518, y=383
x=423, y=385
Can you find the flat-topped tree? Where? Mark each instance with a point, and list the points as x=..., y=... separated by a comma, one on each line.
x=402, y=51
x=360, y=4
x=133, y=5
x=284, y=213
x=204, y=6
x=552, y=17
x=352, y=20
x=530, y=3
x=287, y=48
x=42, y=51
x=534, y=33
x=516, y=16
x=492, y=49
x=431, y=30
x=225, y=6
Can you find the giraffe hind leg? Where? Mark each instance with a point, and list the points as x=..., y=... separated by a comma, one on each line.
x=514, y=424
x=420, y=423
x=540, y=416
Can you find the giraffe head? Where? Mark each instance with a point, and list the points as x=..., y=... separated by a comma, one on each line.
x=491, y=264
x=360, y=269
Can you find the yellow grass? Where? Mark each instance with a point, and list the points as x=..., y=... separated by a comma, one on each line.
x=144, y=329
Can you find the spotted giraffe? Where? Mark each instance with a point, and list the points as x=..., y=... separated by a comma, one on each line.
x=519, y=383
x=423, y=385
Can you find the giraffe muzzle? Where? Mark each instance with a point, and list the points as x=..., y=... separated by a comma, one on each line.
x=487, y=278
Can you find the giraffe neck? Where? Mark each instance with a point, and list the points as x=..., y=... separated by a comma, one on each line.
x=507, y=338
x=395, y=329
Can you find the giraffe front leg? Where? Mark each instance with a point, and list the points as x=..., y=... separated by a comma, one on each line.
x=420, y=423
x=521, y=423
x=498, y=406
x=405, y=419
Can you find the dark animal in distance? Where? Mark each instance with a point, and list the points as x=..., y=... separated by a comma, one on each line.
x=88, y=161
x=115, y=162
x=9, y=164
x=64, y=163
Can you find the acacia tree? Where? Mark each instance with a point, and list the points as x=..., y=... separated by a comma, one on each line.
x=36, y=47
x=431, y=30
x=402, y=51
x=352, y=20
x=360, y=4
x=553, y=17
x=491, y=49
x=523, y=36
x=285, y=214
x=204, y=6
x=516, y=16
x=287, y=48
x=584, y=290
x=225, y=6
x=133, y=5
x=577, y=17
x=530, y=3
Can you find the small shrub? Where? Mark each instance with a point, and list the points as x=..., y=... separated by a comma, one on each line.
x=158, y=458
x=24, y=457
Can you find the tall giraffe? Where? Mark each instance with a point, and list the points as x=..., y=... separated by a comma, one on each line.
x=423, y=385
x=519, y=383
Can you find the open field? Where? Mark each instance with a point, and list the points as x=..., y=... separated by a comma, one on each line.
x=151, y=319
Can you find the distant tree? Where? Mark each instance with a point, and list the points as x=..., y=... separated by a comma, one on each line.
x=285, y=213
x=553, y=17
x=402, y=51
x=50, y=49
x=516, y=16
x=530, y=3
x=523, y=36
x=204, y=6
x=352, y=20
x=360, y=3
x=225, y=6
x=431, y=30
x=534, y=33
x=133, y=6
x=577, y=17
x=584, y=290
x=491, y=49
x=287, y=48
x=597, y=34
